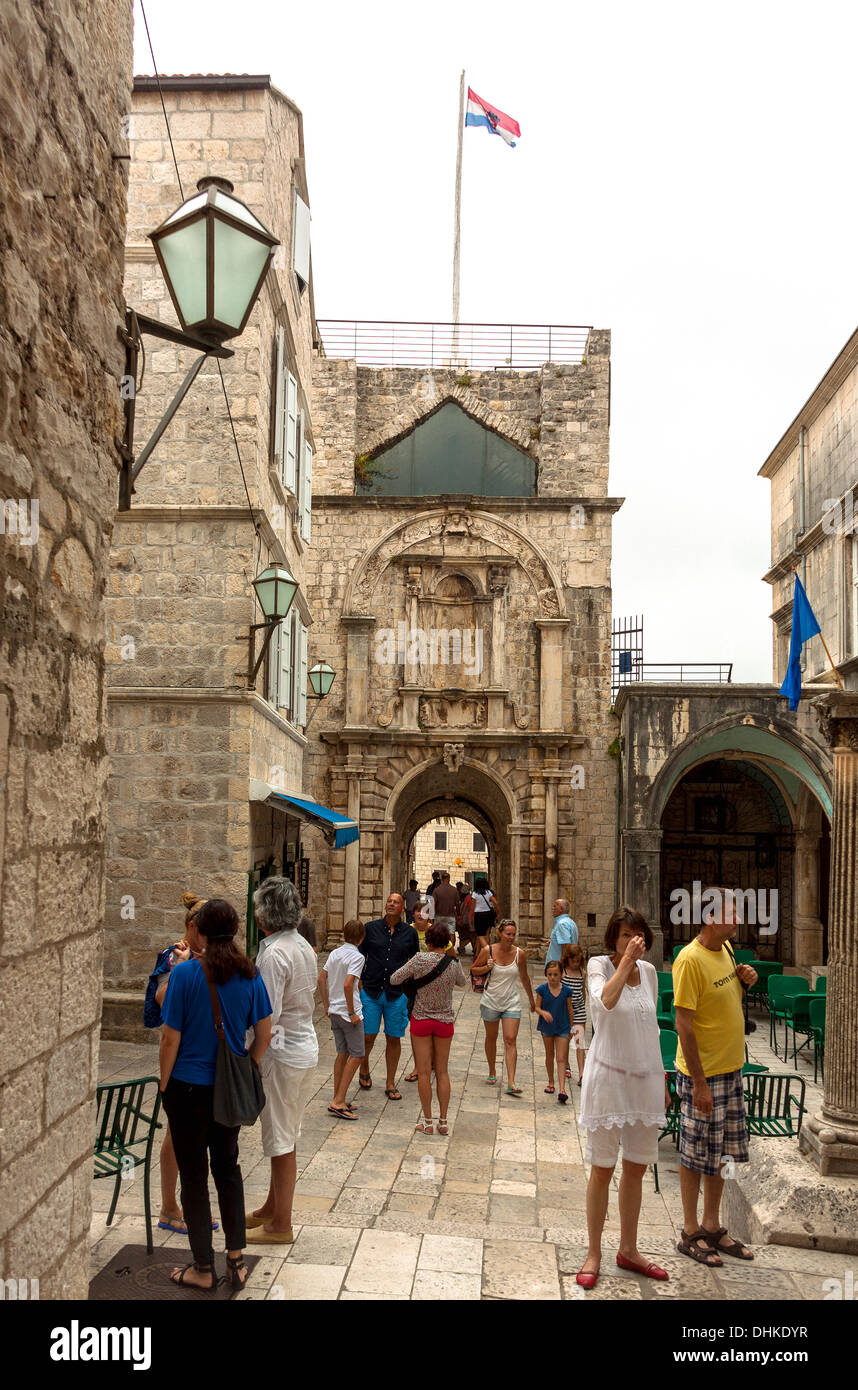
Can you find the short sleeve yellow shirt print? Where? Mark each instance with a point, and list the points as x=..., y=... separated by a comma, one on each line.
x=706, y=982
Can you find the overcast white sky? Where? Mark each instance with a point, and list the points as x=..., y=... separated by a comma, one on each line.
x=685, y=177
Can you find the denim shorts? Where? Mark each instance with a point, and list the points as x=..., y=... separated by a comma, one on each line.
x=494, y=1015
x=393, y=1011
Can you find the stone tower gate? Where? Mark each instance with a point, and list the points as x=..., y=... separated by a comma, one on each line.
x=470, y=632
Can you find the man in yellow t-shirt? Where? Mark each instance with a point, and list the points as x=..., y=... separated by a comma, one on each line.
x=707, y=994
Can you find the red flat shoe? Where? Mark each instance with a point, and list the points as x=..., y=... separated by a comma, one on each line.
x=588, y=1280
x=651, y=1271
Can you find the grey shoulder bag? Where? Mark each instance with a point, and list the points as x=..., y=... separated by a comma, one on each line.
x=239, y=1097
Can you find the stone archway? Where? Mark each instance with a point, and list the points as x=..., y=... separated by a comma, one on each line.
x=471, y=790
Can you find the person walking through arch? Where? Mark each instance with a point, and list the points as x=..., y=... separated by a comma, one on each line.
x=389, y=942
x=482, y=913
x=500, y=1006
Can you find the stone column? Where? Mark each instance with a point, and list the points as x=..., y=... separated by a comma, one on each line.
x=807, y=930
x=358, y=665
x=410, y=694
x=515, y=834
x=498, y=585
x=551, y=672
x=831, y=1136
x=641, y=880
x=550, y=881
x=352, y=882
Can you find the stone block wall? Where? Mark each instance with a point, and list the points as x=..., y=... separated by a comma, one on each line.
x=460, y=845
x=65, y=82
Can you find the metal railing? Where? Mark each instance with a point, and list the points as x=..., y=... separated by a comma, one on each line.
x=456, y=347
x=671, y=673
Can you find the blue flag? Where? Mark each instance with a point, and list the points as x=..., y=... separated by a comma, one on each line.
x=804, y=626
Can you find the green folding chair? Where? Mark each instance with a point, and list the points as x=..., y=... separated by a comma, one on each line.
x=797, y=1009
x=765, y=969
x=665, y=989
x=676, y=950
x=774, y=1104
x=751, y=1068
x=817, y=1023
x=744, y=956
x=780, y=987
x=671, y=1119
x=127, y=1121
x=821, y=986
x=667, y=1019
x=668, y=1042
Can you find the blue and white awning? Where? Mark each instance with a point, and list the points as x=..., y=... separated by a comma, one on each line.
x=337, y=829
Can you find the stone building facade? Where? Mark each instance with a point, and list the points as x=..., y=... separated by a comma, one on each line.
x=188, y=739
x=516, y=742
x=813, y=471
x=65, y=75
x=455, y=851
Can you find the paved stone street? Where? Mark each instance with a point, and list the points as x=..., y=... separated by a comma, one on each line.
x=496, y=1210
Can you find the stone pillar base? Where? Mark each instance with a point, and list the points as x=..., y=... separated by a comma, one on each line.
x=831, y=1144
x=779, y=1198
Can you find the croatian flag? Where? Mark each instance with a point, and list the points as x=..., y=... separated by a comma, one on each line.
x=480, y=113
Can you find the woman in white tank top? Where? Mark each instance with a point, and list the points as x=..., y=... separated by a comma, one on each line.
x=506, y=967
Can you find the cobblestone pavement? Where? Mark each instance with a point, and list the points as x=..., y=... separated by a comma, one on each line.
x=496, y=1210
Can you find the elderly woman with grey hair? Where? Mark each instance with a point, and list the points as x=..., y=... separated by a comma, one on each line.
x=289, y=970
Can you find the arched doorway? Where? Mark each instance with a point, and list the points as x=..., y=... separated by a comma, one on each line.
x=471, y=792
x=727, y=822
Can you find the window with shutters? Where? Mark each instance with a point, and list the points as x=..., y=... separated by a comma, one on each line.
x=299, y=698
x=306, y=502
x=301, y=243
x=290, y=432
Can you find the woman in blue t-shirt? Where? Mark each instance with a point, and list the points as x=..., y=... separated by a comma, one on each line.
x=555, y=1025
x=189, y=1046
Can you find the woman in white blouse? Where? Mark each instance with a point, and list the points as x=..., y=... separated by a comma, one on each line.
x=623, y=1093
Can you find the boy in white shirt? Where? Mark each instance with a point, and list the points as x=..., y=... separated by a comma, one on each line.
x=337, y=984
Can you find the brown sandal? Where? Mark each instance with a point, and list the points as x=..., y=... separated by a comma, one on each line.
x=735, y=1247
x=688, y=1246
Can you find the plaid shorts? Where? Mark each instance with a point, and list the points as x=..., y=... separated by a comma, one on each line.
x=706, y=1141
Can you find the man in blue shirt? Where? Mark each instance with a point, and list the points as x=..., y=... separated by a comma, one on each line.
x=564, y=931
x=388, y=944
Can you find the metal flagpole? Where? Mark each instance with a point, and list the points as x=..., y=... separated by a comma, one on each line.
x=457, y=228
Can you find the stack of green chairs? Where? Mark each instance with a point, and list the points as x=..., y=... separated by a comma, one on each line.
x=669, y=1043
x=821, y=986
x=765, y=970
x=681, y=947
x=817, y=1023
x=665, y=989
x=780, y=987
x=744, y=956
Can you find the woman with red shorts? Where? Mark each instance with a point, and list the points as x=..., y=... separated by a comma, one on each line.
x=432, y=1020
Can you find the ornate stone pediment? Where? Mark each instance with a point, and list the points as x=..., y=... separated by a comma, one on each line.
x=501, y=535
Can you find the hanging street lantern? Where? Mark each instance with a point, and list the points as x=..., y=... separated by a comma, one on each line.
x=214, y=254
x=275, y=590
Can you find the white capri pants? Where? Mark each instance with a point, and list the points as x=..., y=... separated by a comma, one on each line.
x=287, y=1093
x=639, y=1143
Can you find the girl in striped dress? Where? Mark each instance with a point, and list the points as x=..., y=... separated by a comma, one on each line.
x=572, y=969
